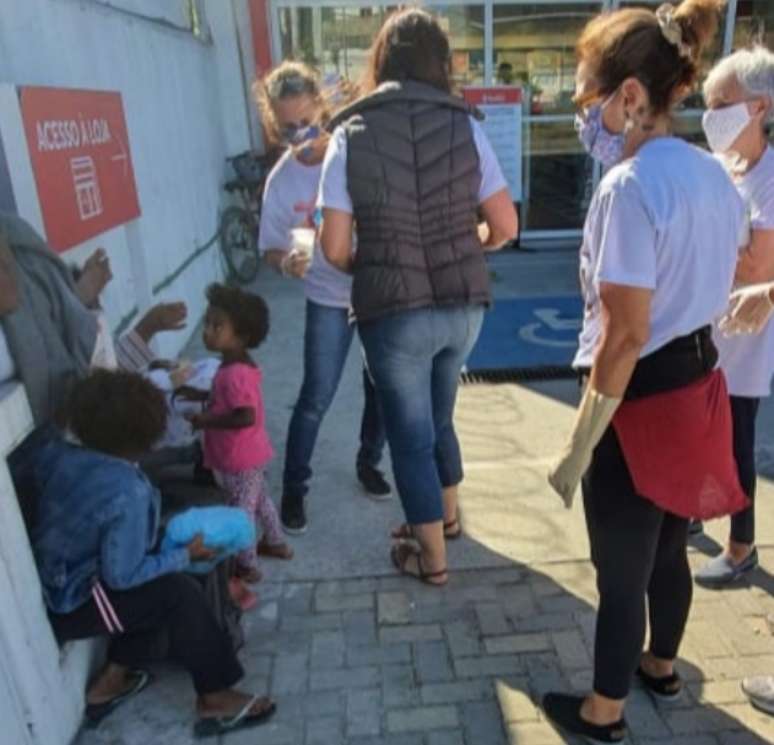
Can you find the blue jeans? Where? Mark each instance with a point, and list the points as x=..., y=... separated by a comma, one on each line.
x=415, y=358
x=327, y=339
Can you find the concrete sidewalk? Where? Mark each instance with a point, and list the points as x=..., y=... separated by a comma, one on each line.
x=358, y=656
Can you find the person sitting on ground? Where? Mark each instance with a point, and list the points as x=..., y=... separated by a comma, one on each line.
x=50, y=308
x=112, y=581
x=236, y=445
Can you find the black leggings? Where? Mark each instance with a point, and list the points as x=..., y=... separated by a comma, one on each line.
x=174, y=603
x=744, y=410
x=637, y=550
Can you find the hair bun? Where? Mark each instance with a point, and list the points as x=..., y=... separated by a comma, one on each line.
x=698, y=21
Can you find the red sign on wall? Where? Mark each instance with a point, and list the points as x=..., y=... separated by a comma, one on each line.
x=80, y=156
x=499, y=95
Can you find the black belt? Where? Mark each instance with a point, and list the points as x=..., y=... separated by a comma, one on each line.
x=681, y=362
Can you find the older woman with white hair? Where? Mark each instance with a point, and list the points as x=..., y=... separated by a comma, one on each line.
x=739, y=92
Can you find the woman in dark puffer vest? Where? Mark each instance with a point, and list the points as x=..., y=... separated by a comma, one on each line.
x=409, y=166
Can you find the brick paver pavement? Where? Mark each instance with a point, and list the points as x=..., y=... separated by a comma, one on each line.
x=388, y=661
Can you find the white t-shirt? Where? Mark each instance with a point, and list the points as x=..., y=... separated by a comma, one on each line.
x=7, y=365
x=289, y=201
x=748, y=360
x=333, y=187
x=668, y=220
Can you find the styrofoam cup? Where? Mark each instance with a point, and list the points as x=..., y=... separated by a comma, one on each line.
x=302, y=241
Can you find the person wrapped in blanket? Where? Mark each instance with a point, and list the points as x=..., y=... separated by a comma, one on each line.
x=60, y=308
x=113, y=580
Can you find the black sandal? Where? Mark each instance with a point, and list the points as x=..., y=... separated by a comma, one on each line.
x=95, y=713
x=665, y=688
x=564, y=711
x=400, y=553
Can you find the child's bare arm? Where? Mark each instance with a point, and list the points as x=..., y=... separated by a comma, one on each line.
x=234, y=419
x=189, y=393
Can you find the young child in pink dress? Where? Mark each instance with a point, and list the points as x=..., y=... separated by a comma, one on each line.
x=236, y=444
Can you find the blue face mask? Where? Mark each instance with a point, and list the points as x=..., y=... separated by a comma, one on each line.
x=604, y=146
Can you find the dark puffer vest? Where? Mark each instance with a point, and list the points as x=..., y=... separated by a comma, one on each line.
x=413, y=176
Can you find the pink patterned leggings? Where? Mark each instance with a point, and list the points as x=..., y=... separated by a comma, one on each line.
x=248, y=490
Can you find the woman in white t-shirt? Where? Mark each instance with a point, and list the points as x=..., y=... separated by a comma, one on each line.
x=739, y=92
x=652, y=439
x=294, y=110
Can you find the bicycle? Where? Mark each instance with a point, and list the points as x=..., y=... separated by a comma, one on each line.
x=239, y=224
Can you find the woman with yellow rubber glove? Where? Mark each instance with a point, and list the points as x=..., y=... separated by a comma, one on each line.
x=652, y=438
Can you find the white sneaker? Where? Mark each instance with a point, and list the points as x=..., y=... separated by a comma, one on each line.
x=760, y=691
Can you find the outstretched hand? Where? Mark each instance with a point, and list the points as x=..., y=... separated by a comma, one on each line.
x=162, y=317
x=749, y=310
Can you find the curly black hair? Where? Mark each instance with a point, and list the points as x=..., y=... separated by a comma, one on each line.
x=117, y=412
x=247, y=312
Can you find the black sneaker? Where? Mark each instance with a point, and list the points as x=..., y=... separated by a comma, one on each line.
x=373, y=481
x=564, y=711
x=293, y=515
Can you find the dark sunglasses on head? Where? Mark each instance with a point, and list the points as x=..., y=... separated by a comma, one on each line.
x=294, y=85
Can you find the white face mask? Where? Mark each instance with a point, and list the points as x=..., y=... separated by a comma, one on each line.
x=723, y=126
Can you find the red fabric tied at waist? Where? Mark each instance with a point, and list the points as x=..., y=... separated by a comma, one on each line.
x=678, y=446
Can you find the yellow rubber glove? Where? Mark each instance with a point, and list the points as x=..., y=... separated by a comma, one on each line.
x=594, y=416
x=749, y=310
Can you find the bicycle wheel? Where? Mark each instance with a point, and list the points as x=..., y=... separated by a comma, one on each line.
x=238, y=244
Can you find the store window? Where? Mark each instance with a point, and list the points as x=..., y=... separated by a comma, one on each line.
x=464, y=25
x=531, y=43
x=534, y=43
x=534, y=46
x=334, y=40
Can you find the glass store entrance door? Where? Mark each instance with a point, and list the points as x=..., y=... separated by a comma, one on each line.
x=534, y=42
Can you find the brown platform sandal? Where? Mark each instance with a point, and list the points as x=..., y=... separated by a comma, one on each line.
x=400, y=555
x=405, y=532
x=276, y=551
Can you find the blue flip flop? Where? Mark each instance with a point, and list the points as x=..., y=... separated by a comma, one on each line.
x=95, y=713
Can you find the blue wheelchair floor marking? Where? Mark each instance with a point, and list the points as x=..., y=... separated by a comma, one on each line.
x=528, y=332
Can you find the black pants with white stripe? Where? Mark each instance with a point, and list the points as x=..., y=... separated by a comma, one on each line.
x=174, y=604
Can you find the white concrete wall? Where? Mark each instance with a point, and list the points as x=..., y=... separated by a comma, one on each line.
x=185, y=110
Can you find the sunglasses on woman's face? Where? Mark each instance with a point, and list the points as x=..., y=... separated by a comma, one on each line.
x=298, y=133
